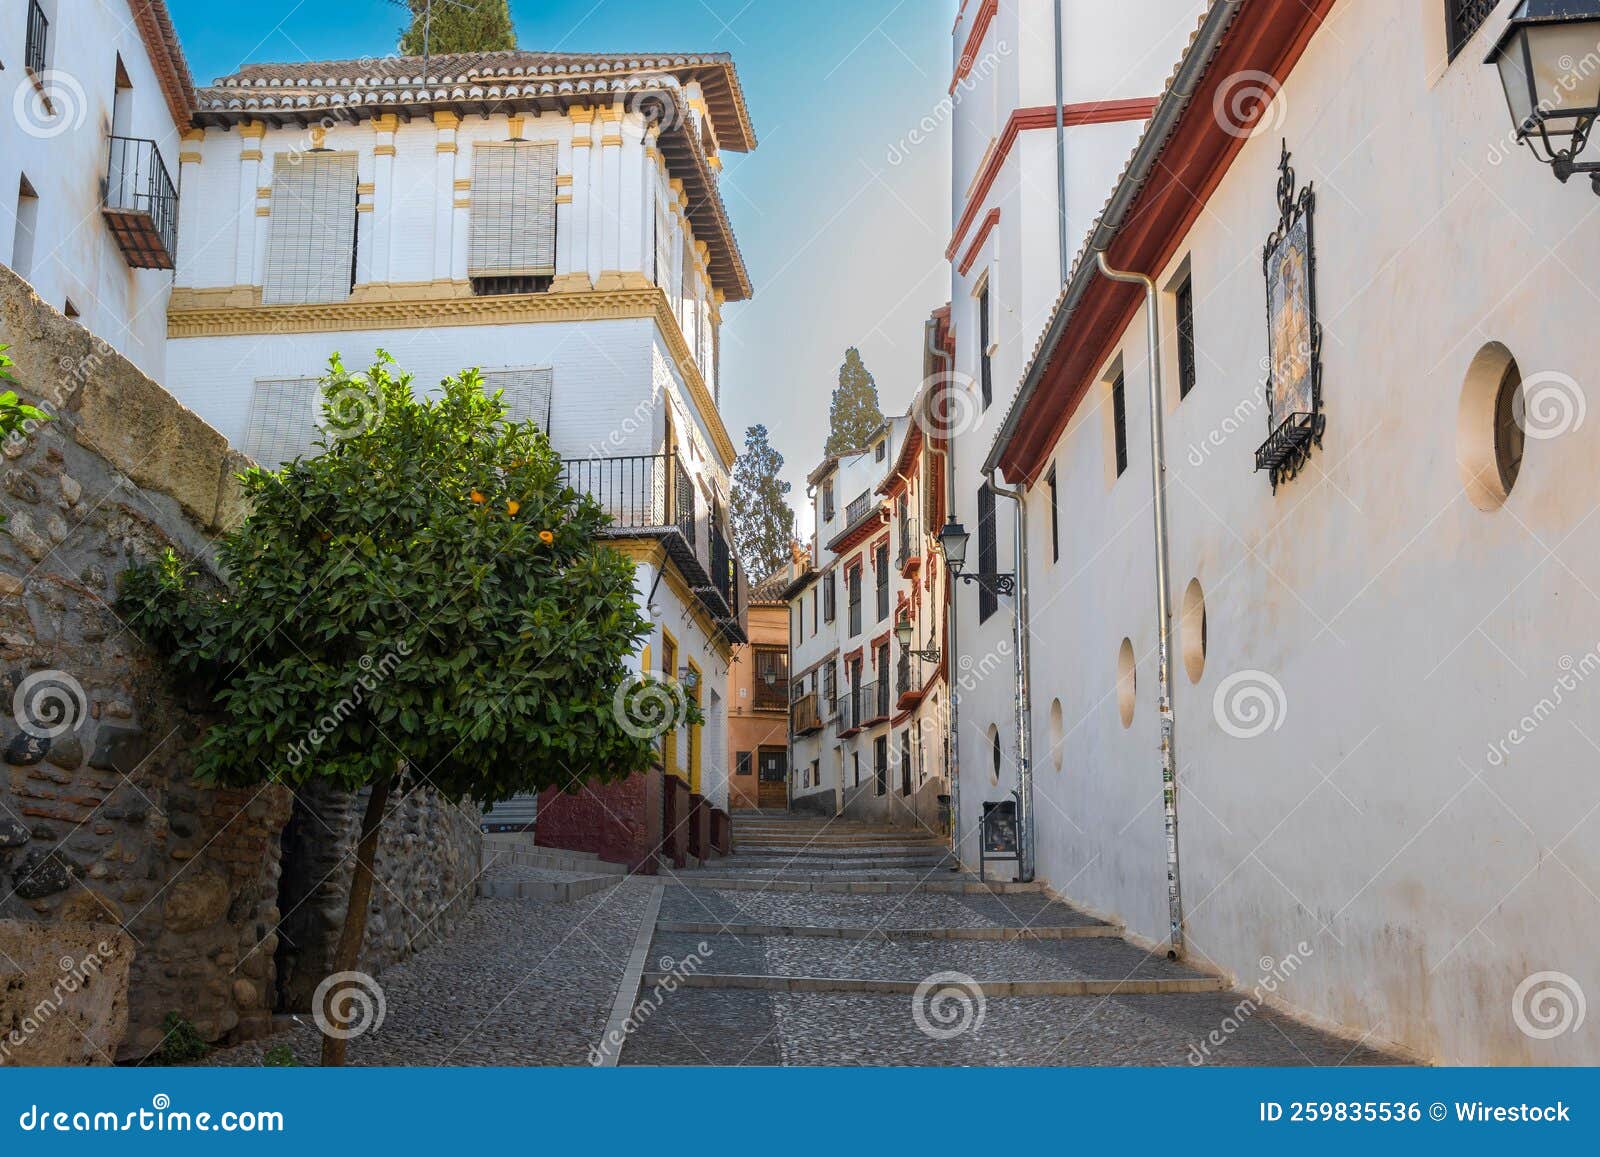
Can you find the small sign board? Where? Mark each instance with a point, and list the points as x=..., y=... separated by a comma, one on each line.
x=1000, y=839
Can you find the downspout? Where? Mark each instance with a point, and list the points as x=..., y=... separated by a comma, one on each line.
x=1158, y=481
x=1061, y=149
x=952, y=749
x=1025, y=866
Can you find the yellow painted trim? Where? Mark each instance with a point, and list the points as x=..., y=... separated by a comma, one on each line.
x=463, y=202
x=695, y=744
x=563, y=198
x=188, y=158
x=582, y=142
x=263, y=211
x=514, y=123
x=430, y=305
x=669, y=738
x=445, y=119
x=563, y=180
x=255, y=130
x=249, y=154
x=383, y=150
x=611, y=114
x=715, y=161
x=612, y=140
x=644, y=658
x=194, y=134
x=385, y=122
x=445, y=147
x=364, y=207
x=263, y=192
x=582, y=114
x=365, y=190
x=463, y=184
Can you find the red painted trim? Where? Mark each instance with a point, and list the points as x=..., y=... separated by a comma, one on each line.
x=858, y=653
x=980, y=29
x=1267, y=38
x=1097, y=112
x=989, y=222
x=881, y=641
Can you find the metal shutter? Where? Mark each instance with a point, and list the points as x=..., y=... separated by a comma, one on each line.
x=283, y=420
x=528, y=393
x=513, y=229
x=312, y=239
x=663, y=247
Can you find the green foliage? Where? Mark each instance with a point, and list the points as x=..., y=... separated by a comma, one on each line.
x=763, y=524
x=279, y=1057
x=459, y=26
x=426, y=592
x=855, y=416
x=15, y=414
x=181, y=1042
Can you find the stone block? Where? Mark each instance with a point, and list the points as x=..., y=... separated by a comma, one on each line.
x=63, y=992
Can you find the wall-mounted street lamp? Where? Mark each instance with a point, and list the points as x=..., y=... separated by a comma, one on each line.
x=903, y=632
x=953, y=544
x=1546, y=58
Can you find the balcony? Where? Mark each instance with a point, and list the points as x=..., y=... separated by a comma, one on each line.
x=910, y=556
x=807, y=715
x=857, y=510
x=38, y=39
x=140, y=204
x=653, y=495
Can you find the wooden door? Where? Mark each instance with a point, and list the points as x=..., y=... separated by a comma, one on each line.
x=773, y=789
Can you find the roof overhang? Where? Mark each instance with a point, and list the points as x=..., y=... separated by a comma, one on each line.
x=1179, y=162
x=160, y=38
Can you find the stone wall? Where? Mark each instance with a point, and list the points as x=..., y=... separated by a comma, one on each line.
x=100, y=820
x=429, y=857
x=63, y=993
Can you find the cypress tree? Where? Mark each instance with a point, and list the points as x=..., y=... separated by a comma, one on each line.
x=855, y=415
x=458, y=26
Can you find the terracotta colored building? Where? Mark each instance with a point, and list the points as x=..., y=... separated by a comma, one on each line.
x=758, y=701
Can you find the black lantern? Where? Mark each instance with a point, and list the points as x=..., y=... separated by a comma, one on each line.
x=1549, y=63
x=953, y=543
x=903, y=632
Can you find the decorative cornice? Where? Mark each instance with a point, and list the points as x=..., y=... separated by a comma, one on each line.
x=432, y=305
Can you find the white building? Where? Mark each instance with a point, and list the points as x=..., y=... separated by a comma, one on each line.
x=867, y=723
x=1384, y=624
x=95, y=96
x=553, y=220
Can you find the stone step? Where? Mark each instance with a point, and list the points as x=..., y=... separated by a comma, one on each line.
x=517, y=883
x=554, y=860
x=921, y=909
x=733, y=883
x=840, y=851
x=989, y=988
x=998, y=932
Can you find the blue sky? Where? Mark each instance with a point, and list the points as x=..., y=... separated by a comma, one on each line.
x=845, y=247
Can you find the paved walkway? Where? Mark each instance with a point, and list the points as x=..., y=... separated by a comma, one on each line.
x=840, y=944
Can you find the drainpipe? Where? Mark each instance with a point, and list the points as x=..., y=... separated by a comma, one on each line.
x=952, y=652
x=1061, y=149
x=1025, y=867
x=1158, y=481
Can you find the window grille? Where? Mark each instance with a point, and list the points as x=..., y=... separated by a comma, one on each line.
x=1464, y=18
x=528, y=393
x=311, y=243
x=282, y=424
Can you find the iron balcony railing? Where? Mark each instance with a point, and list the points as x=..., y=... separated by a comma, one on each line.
x=723, y=567
x=141, y=203
x=639, y=492
x=863, y=700
x=902, y=680
x=883, y=698
x=38, y=38
x=906, y=539
x=857, y=510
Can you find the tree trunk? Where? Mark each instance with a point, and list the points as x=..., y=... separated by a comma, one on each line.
x=348, y=953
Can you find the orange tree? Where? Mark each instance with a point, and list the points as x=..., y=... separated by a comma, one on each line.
x=423, y=603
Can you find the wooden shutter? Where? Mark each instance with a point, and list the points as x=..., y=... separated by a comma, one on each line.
x=663, y=247
x=311, y=243
x=513, y=227
x=529, y=393
x=283, y=421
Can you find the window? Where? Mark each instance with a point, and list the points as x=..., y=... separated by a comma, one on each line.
x=881, y=570
x=827, y=504
x=1055, y=516
x=282, y=424
x=880, y=763
x=1490, y=435
x=511, y=236
x=830, y=596
x=746, y=763
x=1463, y=18
x=663, y=254
x=878, y=451
x=1194, y=630
x=985, y=365
x=1186, y=370
x=311, y=242
x=855, y=756
x=853, y=586
x=816, y=616
x=905, y=764
x=988, y=553
x=880, y=660
x=1119, y=424
x=830, y=684
x=527, y=393
x=27, y=228
x=816, y=774
x=772, y=677
x=35, y=55
x=994, y=754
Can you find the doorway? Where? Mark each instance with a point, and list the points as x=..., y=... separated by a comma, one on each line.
x=772, y=789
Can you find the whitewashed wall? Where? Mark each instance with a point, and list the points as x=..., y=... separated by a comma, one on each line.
x=1387, y=817
x=65, y=159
